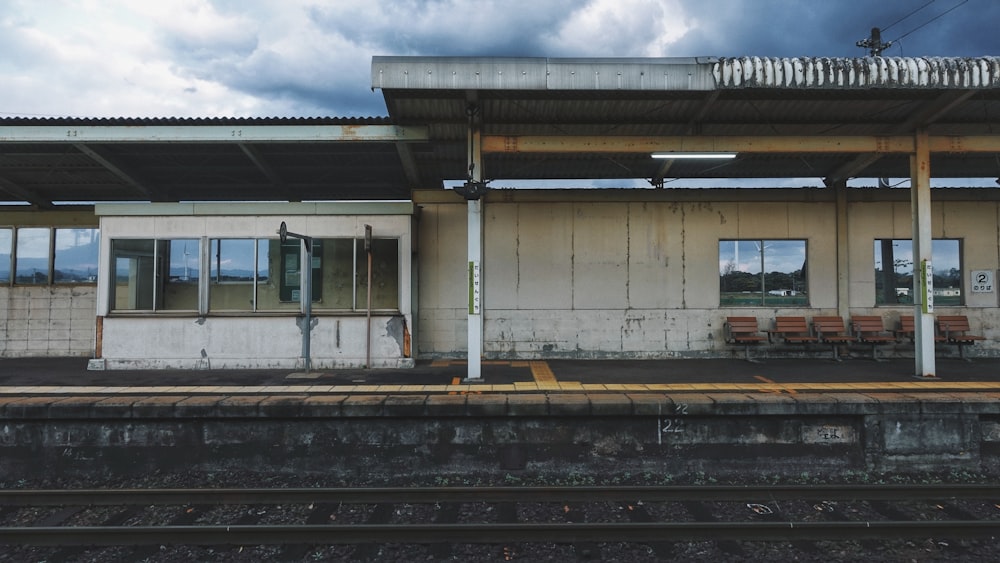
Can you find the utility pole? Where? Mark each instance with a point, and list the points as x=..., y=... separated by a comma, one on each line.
x=874, y=43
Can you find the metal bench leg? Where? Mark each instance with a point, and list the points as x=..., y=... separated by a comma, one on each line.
x=875, y=353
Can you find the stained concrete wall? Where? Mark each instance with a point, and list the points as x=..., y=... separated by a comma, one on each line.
x=265, y=339
x=47, y=320
x=489, y=436
x=635, y=274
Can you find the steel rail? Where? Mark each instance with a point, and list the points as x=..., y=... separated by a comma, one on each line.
x=494, y=533
x=418, y=495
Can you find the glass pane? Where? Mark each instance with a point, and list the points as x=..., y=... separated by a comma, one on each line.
x=784, y=273
x=32, y=256
x=739, y=273
x=947, y=263
x=132, y=261
x=232, y=260
x=76, y=255
x=6, y=244
x=263, y=261
x=755, y=273
x=894, y=271
x=338, y=275
x=180, y=290
x=385, y=274
x=231, y=273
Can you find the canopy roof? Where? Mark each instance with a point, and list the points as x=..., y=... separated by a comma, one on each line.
x=544, y=119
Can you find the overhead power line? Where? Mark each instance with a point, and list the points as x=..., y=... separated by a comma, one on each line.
x=930, y=20
x=874, y=42
x=908, y=15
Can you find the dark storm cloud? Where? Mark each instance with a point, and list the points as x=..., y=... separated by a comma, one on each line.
x=779, y=28
x=313, y=57
x=450, y=27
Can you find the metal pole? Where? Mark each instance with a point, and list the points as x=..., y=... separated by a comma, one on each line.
x=923, y=299
x=368, y=332
x=305, y=287
x=305, y=300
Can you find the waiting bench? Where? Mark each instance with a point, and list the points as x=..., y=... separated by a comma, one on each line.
x=870, y=329
x=744, y=331
x=830, y=330
x=791, y=330
x=909, y=331
x=955, y=330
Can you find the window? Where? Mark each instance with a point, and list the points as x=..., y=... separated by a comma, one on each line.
x=155, y=274
x=32, y=255
x=340, y=274
x=6, y=246
x=894, y=271
x=43, y=255
x=247, y=275
x=385, y=274
x=75, y=256
x=238, y=268
x=755, y=273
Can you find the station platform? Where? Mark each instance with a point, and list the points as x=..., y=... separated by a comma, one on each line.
x=70, y=376
x=719, y=416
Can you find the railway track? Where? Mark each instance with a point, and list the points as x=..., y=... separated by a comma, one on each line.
x=585, y=518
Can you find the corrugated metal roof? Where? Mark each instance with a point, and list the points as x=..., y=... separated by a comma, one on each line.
x=192, y=121
x=681, y=74
x=867, y=72
x=751, y=96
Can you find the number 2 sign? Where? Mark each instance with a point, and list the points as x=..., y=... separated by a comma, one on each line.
x=982, y=281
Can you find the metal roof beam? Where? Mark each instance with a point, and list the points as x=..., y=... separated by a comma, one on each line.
x=693, y=126
x=25, y=194
x=786, y=144
x=115, y=168
x=409, y=163
x=238, y=133
x=266, y=169
x=929, y=113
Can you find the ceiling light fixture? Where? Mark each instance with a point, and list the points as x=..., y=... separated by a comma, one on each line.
x=673, y=155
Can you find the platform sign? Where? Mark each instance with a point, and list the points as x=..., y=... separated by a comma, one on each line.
x=927, y=285
x=475, y=292
x=982, y=281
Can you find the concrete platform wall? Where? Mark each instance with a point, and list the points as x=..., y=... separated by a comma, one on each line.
x=493, y=436
x=47, y=320
x=577, y=274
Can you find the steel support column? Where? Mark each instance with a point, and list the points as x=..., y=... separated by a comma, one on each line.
x=920, y=210
x=843, y=280
x=475, y=253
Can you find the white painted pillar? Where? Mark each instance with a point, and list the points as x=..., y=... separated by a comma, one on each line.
x=923, y=285
x=475, y=289
x=843, y=280
x=475, y=253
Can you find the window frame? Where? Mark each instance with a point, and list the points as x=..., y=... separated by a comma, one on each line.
x=351, y=261
x=51, y=255
x=879, y=274
x=760, y=296
x=158, y=280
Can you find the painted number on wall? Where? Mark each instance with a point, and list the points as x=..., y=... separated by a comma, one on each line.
x=982, y=281
x=675, y=424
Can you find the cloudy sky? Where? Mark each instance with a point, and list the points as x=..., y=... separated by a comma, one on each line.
x=307, y=58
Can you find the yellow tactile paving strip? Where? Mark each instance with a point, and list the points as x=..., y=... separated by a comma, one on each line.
x=543, y=380
x=517, y=387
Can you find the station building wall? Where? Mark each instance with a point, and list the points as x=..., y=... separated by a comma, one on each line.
x=47, y=318
x=635, y=274
x=270, y=336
